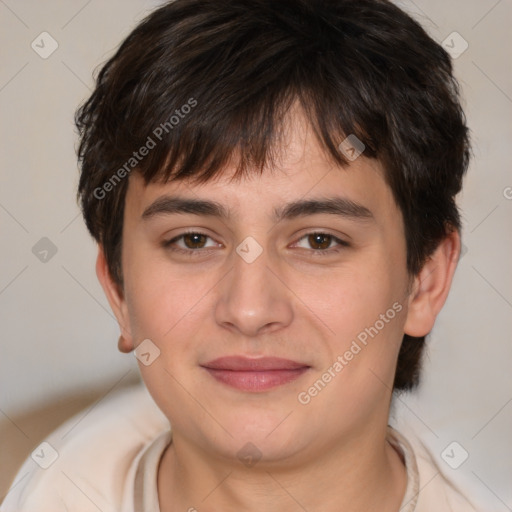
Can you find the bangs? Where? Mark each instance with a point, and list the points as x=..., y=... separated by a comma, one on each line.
x=229, y=90
x=247, y=139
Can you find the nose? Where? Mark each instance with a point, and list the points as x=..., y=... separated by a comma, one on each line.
x=253, y=299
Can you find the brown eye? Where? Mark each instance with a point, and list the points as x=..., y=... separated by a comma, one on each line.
x=190, y=243
x=320, y=244
x=194, y=240
x=320, y=241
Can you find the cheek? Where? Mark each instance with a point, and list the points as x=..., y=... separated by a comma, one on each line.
x=351, y=298
x=163, y=299
x=365, y=320
x=157, y=307
x=361, y=311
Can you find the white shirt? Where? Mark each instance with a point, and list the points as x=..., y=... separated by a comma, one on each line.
x=107, y=458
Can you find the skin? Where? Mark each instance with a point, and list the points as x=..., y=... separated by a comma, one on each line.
x=290, y=303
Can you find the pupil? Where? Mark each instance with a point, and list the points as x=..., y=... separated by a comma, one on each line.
x=316, y=239
x=196, y=240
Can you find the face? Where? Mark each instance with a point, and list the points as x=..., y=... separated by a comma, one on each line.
x=278, y=322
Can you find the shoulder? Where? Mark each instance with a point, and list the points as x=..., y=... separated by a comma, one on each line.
x=428, y=487
x=87, y=462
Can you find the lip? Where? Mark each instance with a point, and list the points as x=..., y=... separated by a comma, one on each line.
x=250, y=374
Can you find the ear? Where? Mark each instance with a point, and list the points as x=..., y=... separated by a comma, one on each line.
x=431, y=286
x=116, y=300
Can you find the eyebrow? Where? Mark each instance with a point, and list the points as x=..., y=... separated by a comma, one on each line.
x=339, y=206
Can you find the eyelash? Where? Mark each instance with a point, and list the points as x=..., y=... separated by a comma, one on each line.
x=167, y=244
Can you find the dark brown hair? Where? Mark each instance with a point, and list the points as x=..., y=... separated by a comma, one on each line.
x=199, y=82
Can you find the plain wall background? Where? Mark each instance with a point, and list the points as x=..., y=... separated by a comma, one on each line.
x=58, y=351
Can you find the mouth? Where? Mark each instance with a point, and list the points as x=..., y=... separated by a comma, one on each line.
x=254, y=375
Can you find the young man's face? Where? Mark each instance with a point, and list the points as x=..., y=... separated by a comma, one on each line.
x=224, y=298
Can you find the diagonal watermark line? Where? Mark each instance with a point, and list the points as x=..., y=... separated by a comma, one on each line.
x=69, y=223
x=415, y=497
x=433, y=432
x=75, y=15
x=501, y=408
x=14, y=14
x=88, y=292
x=14, y=423
x=198, y=402
x=408, y=292
x=13, y=279
x=196, y=303
x=491, y=490
x=93, y=406
x=424, y=13
x=301, y=300
x=485, y=15
x=398, y=398
x=280, y=423
x=216, y=487
x=492, y=81
x=13, y=217
x=84, y=493
x=287, y=492
x=86, y=85
x=14, y=76
x=491, y=212
x=493, y=287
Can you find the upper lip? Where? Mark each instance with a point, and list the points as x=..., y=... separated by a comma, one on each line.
x=247, y=364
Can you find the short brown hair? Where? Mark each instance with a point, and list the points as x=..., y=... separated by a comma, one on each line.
x=360, y=67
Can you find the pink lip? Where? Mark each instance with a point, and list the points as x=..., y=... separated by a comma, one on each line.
x=254, y=375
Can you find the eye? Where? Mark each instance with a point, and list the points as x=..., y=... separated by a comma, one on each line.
x=322, y=243
x=195, y=242
x=189, y=242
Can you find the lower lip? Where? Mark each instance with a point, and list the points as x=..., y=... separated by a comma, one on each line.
x=256, y=380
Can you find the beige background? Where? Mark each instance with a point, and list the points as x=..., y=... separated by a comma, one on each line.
x=58, y=346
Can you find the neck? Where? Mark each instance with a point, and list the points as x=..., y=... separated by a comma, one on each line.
x=360, y=474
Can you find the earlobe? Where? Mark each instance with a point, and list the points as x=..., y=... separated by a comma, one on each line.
x=431, y=286
x=116, y=300
x=125, y=346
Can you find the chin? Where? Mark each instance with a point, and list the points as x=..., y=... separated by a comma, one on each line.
x=266, y=434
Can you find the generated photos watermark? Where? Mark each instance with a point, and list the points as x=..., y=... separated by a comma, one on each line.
x=151, y=142
x=361, y=341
